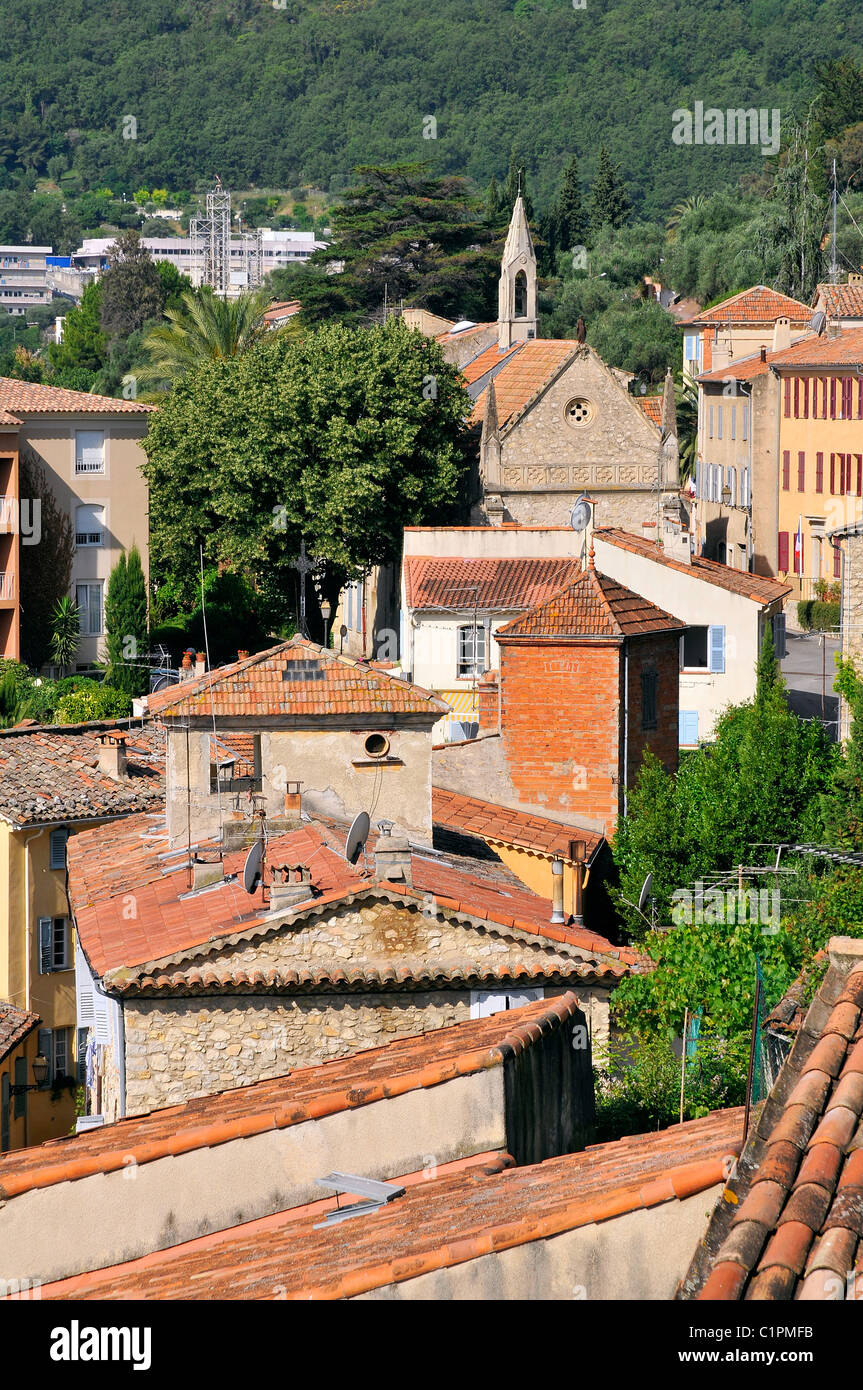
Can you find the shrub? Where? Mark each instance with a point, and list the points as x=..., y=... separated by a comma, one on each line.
x=101, y=702
x=824, y=616
x=638, y=1082
x=804, y=614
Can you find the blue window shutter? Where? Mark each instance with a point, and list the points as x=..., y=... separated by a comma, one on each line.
x=46, y=952
x=57, y=840
x=717, y=649
x=687, y=726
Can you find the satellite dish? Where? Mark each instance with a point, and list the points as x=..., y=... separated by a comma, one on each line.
x=579, y=517
x=357, y=836
x=644, y=895
x=252, y=870
x=818, y=322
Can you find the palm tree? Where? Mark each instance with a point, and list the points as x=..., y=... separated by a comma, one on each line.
x=65, y=631
x=686, y=404
x=680, y=210
x=205, y=328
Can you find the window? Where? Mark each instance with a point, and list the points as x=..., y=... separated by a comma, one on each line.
x=719, y=422
x=744, y=433
x=779, y=643
x=734, y=422
x=786, y=470
x=235, y=763
x=521, y=295
x=89, y=525
x=90, y=451
x=54, y=945
x=89, y=600
x=471, y=652
x=710, y=422
x=819, y=472
x=57, y=853
x=703, y=648
x=45, y=1048
x=837, y=562
x=578, y=412
x=81, y=1037
x=648, y=699
x=687, y=729
x=801, y=471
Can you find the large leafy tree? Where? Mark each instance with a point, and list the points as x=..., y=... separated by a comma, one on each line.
x=403, y=234
x=84, y=347
x=340, y=440
x=131, y=287
x=126, y=624
x=791, y=229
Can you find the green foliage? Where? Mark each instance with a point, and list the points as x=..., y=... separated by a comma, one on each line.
x=84, y=344
x=65, y=631
x=842, y=805
x=341, y=439
x=203, y=328
x=100, y=702
x=609, y=200
x=126, y=625
x=131, y=287
x=638, y=1082
x=818, y=615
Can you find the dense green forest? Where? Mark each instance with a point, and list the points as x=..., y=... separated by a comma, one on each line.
x=297, y=92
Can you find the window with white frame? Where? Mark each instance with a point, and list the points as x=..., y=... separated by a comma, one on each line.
x=89, y=451
x=88, y=597
x=471, y=651
x=55, y=945
x=54, y=1045
x=89, y=524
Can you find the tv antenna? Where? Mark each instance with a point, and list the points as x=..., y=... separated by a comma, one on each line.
x=253, y=869
x=357, y=836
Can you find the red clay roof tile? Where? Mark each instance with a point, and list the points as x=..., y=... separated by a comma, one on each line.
x=464, y=583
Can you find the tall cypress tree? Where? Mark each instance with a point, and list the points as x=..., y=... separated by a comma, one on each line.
x=493, y=202
x=126, y=625
x=570, y=222
x=609, y=200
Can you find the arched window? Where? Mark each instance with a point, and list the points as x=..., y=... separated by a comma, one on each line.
x=521, y=295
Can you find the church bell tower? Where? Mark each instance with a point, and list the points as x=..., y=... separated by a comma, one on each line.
x=516, y=300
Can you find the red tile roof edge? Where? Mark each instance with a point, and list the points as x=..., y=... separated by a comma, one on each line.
x=624, y=541
x=119, y=979
x=26, y=1022
x=512, y=1044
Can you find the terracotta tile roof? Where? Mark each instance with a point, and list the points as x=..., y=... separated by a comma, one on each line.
x=294, y=679
x=6, y=418
x=504, y=825
x=348, y=1083
x=172, y=923
x=792, y=1221
x=434, y=1225
x=843, y=349
x=465, y=333
x=282, y=309
x=652, y=408
x=15, y=1024
x=787, y=1017
x=757, y=305
x=752, y=586
x=529, y=369
x=841, y=301
x=31, y=398
x=594, y=607
x=454, y=582
x=52, y=774
x=238, y=749
x=487, y=361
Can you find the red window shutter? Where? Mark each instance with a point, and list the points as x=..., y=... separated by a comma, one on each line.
x=787, y=397
x=801, y=471
x=860, y=398
x=859, y=458
x=846, y=469
x=786, y=470
x=783, y=551
x=806, y=398
x=832, y=398
x=796, y=398
x=819, y=472
x=833, y=474
x=837, y=563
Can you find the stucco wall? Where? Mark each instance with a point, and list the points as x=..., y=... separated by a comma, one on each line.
x=640, y=1255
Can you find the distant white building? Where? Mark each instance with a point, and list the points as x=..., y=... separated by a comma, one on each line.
x=23, y=283
x=278, y=248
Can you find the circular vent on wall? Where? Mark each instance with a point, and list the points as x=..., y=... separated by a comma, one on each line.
x=578, y=412
x=377, y=745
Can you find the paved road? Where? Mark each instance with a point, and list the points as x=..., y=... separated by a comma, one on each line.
x=809, y=670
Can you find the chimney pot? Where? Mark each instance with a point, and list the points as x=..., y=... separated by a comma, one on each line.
x=242, y=656
x=763, y=353
x=557, y=891
x=112, y=755
x=200, y=663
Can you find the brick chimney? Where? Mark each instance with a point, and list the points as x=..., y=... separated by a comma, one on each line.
x=291, y=884
x=392, y=856
x=242, y=656
x=200, y=663
x=112, y=755
x=488, y=695
x=293, y=800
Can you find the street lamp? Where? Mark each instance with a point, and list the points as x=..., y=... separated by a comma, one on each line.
x=326, y=610
x=726, y=495
x=40, y=1076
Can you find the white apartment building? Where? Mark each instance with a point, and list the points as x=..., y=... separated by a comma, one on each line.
x=23, y=283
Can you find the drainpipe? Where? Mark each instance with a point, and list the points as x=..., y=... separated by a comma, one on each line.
x=625, y=723
x=557, y=891
x=750, y=549
x=28, y=842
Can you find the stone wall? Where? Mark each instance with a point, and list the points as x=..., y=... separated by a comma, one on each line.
x=851, y=613
x=184, y=1047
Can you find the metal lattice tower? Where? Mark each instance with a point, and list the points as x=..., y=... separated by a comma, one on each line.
x=226, y=273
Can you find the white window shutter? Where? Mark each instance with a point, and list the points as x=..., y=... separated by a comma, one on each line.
x=84, y=992
x=102, y=1022
x=717, y=648
x=46, y=954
